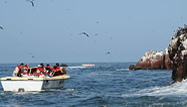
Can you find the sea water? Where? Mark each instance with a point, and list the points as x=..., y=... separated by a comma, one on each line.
x=102, y=85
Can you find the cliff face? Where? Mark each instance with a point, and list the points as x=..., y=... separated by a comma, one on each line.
x=153, y=60
x=178, y=54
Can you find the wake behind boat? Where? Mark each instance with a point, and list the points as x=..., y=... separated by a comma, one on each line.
x=31, y=82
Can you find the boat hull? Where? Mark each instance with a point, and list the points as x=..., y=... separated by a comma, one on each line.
x=32, y=84
x=88, y=65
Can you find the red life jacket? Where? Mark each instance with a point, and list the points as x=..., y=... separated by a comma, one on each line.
x=47, y=67
x=39, y=74
x=52, y=69
x=35, y=74
x=40, y=69
x=58, y=68
x=25, y=73
x=19, y=69
x=26, y=66
x=46, y=73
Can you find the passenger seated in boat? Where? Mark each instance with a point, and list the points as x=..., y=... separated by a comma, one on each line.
x=43, y=67
x=26, y=66
x=62, y=68
x=18, y=70
x=48, y=68
x=40, y=68
x=59, y=71
x=25, y=73
x=55, y=67
x=39, y=71
x=58, y=68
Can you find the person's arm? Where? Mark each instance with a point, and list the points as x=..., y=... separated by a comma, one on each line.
x=28, y=65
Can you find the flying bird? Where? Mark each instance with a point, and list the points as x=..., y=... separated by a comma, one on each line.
x=108, y=53
x=1, y=27
x=85, y=34
x=32, y=3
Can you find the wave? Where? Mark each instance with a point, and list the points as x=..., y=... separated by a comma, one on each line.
x=75, y=67
x=123, y=69
x=24, y=93
x=39, y=92
x=62, y=89
x=176, y=89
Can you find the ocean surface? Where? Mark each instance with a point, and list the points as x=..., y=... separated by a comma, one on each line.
x=103, y=85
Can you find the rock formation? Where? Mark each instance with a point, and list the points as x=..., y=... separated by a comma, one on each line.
x=178, y=54
x=153, y=60
x=174, y=58
x=63, y=65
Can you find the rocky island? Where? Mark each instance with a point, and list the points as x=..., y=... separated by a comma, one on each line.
x=175, y=57
x=153, y=60
x=178, y=54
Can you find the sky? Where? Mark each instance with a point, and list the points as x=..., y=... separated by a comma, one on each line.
x=52, y=30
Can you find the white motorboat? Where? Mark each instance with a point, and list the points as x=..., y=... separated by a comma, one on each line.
x=31, y=83
x=88, y=64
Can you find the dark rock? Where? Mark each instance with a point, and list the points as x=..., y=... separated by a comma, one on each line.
x=138, y=67
x=178, y=55
x=64, y=65
x=131, y=67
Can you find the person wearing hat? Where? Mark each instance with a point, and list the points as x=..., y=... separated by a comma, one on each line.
x=39, y=68
x=39, y=71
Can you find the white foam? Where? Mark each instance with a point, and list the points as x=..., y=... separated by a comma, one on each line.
x=176, y=89
x=75, y=67
x=124, y=69
x=24, y=93
x=62, y=89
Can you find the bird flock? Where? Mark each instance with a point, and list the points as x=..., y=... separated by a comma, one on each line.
x=83, y=33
